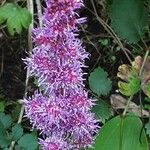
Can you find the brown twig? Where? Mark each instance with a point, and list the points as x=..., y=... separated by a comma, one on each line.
x=110, y=31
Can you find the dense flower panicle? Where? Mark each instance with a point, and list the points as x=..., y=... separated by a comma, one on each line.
x=61, y=111
x=82, y=141
x=44, y=112
x=54, y=143
x=55, y=113
x=68, y=50
x=52, y=72
x=65, y=6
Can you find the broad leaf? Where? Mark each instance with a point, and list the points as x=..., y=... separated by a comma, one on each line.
x=99, y=82
x=128, y=18
x=122, y=134
x=15, y=16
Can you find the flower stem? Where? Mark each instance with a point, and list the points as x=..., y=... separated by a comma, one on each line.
x=30, y=8
x=127, y=106
x=145, y=58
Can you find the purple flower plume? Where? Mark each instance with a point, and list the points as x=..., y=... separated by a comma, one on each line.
x=61, y=110
x=53, y=143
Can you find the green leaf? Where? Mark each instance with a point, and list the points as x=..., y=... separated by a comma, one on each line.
x=147, y=99
x=17, y=132
x=28, y=142
x=147, y=106
x=99, y=82
x=147, y=127
x=102, y=111
x=130, y=88
x=122, y=134
x=5, y=120
x=26, y=17
x=103, y=42
x=128, y=18
x=4, y=139
x=17, y=147
x=15, y=16
x=147, y=89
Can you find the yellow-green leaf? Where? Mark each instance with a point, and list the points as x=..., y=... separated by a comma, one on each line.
x=131, y=87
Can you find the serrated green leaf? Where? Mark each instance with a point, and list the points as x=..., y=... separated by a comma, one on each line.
x=102, y=111
x=6, y=120
x=14, y=26
x=130, y=88
x=3, y=13
x=16, y=17
x=28, y=142
x=99, y=82
x=17, y=132
x=122, y=134
x=128, y=18
x=26, y=19
x=4, y=139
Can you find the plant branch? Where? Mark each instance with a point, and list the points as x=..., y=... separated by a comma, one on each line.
x=31, y=9
x=110, y=31
x=127, y=106
x=140, y=75
x=142, y=67
x=90, y=42
x=39, y=9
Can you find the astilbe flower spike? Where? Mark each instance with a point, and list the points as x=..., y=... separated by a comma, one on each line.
x=61, y=107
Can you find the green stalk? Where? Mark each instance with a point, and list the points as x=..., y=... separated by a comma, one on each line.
x=127, y=106
x=145, y=58
x=31, y=9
